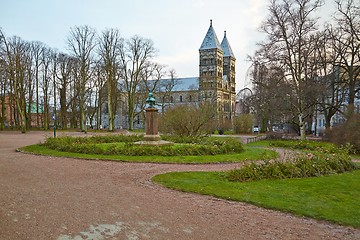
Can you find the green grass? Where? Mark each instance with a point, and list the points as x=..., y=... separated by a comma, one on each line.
x=335, y=198
x=248, y=154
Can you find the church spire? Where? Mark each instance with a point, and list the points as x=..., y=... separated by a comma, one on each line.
x=210, y=41
x=226, y=47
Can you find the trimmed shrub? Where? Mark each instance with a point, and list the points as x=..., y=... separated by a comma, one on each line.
x=302, y=166
x=188, y=146
x=325, y=147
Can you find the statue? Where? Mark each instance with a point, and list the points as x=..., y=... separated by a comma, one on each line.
x=150, y=100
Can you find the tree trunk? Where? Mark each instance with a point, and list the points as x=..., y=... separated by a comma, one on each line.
x=131, y=113
x=302, y=127
x=110, y=107
x=3, y=117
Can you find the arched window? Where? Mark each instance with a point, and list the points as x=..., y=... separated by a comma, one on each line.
x=172, y=99
x=181, y=99
x=190, y=98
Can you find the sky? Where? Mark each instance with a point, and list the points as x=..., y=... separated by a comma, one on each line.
x=177, y=28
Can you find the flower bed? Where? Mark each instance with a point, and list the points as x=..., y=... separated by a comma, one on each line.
x=124, y=145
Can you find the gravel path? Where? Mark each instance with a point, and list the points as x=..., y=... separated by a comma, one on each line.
x=60, y=198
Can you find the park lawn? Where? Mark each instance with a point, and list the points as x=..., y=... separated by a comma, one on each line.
x=248, y=154
x=335, y=198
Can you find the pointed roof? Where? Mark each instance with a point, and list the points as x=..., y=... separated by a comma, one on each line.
x=210, y=41
x=226, y=47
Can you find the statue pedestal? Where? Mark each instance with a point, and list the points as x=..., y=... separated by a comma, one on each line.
x=152, y=137
x=152, y=124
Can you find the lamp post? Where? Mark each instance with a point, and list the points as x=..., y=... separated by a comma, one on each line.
x=54, y=115
x=54, y=118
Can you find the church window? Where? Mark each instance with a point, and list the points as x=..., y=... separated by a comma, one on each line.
x=172, y=99
x=190, y=98
x=181, y=98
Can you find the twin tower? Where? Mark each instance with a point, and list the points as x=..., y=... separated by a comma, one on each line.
x=217, y=74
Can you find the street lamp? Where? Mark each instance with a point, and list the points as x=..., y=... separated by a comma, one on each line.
x=54, y=115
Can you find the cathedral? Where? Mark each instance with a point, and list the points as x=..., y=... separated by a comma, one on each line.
x=215, y=83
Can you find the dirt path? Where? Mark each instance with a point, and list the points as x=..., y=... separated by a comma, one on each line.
x=59, y=198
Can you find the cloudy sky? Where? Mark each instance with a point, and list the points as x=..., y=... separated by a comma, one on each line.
x=177, y=28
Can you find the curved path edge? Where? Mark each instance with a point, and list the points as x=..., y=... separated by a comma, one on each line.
x=45, y=197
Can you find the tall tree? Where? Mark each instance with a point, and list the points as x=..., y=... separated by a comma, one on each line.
x=37, y=49
x=289, y=27
x=346, y=37
x=16, y=51
x=110, y=44
x=269, y=96
x=332, y=95
x=81, y=42
x=45, y=84
x=136, y=54
x=3, y=81
x=64, y=78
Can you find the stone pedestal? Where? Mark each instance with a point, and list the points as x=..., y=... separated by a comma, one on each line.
x=152, y=137
x=152, y=124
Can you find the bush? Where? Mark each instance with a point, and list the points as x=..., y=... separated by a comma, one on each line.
x=244, y=123
x=188, y=120
x=303, y=165
x=346, y=133
x=274, y=136
x=182, y=139
x=325, y=147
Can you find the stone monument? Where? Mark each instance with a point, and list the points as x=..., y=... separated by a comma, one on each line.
x=152, y=123
x=152, y=136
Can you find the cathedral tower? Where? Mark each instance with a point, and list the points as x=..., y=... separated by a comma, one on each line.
x=217, y=74
x=210, y=66
x=229, y=78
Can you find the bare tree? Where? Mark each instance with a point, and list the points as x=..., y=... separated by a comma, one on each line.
x=346, y=40
x=37, y=49
x=65, y=69
x=16, y=57
x=81, y=42
x=270, y=98
x=332, y=88
x=289, y=28
x=3, y=80
x=110, y=44
x=45, y=84
x=100, y=81
x=164, y=89
x=74, y=89
x=135, y=57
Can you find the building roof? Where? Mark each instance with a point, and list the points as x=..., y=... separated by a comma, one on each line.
x=181, y=84
x=186, y=84
x=226, y=47
x=178, y=84
x=210, y=41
